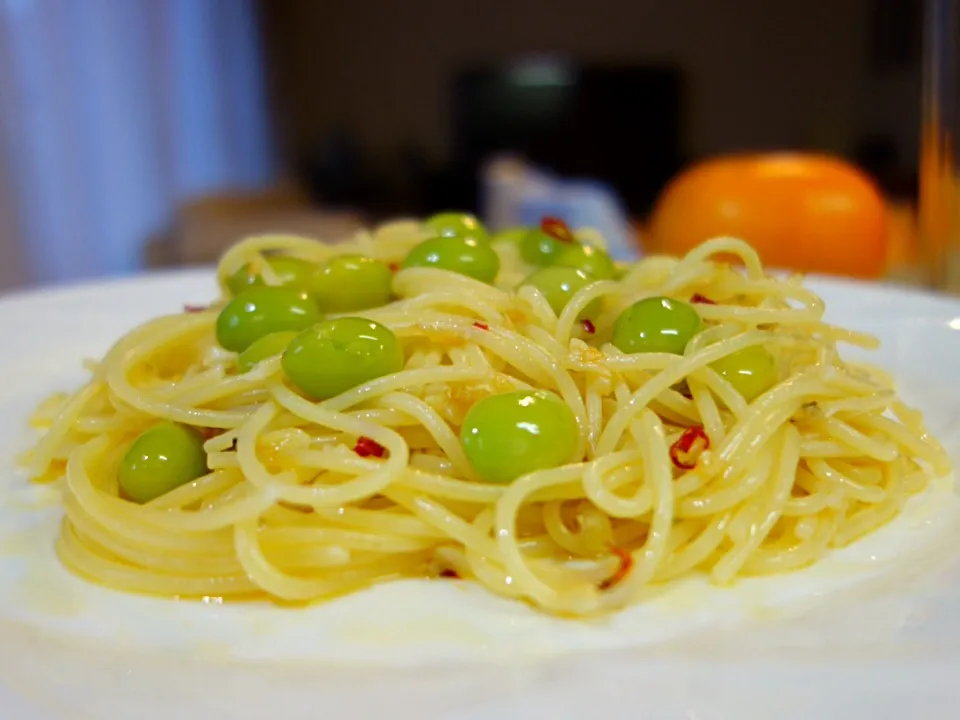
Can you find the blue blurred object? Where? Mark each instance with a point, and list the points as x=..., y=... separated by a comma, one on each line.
x=515, y=193
x=113, y=113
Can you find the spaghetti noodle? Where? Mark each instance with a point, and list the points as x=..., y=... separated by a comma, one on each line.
x=674, y=471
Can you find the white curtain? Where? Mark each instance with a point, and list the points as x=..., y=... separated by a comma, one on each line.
x=113, y=111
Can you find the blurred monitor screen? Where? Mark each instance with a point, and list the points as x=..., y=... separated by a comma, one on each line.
x=617, y=124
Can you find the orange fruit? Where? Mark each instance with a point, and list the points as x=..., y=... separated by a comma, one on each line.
x=810, y=213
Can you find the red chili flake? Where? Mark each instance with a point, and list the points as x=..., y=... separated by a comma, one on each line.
x=481, y=326
x=588, y=326
x=701, y=299
x=626, y=565
x=195, y=308
x=448, y=573
x=366, y=447
x=685, y=451
x=557, y=229
x=394, y=267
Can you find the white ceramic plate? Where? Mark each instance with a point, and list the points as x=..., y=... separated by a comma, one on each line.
x=872, y=631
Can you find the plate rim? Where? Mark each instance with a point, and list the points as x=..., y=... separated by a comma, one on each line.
x=937, y=305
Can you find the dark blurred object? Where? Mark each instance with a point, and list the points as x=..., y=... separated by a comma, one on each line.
x=337, y=173
x=895, y=36
x=617, y=124
x=879, y=157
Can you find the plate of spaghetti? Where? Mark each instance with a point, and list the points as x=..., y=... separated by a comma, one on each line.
x=430, y=443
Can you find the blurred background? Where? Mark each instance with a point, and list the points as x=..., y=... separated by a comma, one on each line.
x=152, y=133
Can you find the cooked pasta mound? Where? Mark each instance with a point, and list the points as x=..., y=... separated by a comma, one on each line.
x=519, y=411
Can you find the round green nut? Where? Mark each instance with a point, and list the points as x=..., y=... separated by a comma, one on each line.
x=510, y=435
x=591, y=260
x=541, y=248
x=458, y=225
x=465, y=256
x=752, y=371
x=292, y=272
x=351, y=282
x=559, y=284
x=656, y=324
x=339, y=354
x=161, y=459
x=262, y=311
